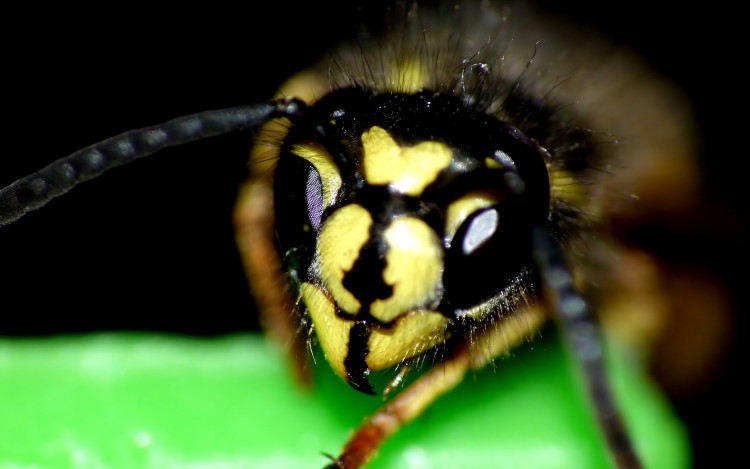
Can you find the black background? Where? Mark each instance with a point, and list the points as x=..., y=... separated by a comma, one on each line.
x=150, y=246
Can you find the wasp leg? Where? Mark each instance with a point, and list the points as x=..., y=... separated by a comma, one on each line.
x=471, y=353
x=576, y=323
x=269, y=285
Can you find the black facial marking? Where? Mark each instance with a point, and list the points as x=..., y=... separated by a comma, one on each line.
x=354, y=363
x=365, y=280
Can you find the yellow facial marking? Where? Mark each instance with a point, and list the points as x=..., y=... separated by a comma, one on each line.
x=326, y=167
x=460, y=209
x=407, y=169
x=413, y=334
x=332, y=331
x=414, y=268
x=339, y=243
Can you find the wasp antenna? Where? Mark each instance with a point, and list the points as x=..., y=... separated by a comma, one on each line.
x=576, y=322
x=35, y=190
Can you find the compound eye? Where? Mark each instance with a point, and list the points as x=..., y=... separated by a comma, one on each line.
x=322, y=183
x=488, y=250
x=314, y=199
x=306, y=184
x=319, y=174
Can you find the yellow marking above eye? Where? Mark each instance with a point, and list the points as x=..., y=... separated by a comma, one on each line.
x=460, y=209
x=407, y=169
x=339, y=244
x=323, y=163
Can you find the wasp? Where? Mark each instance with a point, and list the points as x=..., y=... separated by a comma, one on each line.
x=511, y=178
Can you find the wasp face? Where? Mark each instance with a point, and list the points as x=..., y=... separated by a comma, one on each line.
x=405, y=200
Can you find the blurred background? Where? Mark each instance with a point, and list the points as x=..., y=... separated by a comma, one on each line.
x=150, y=246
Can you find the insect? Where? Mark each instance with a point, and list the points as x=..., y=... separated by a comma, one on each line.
x=530, y=54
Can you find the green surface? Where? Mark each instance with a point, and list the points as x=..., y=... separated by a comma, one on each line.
x=146, y=401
